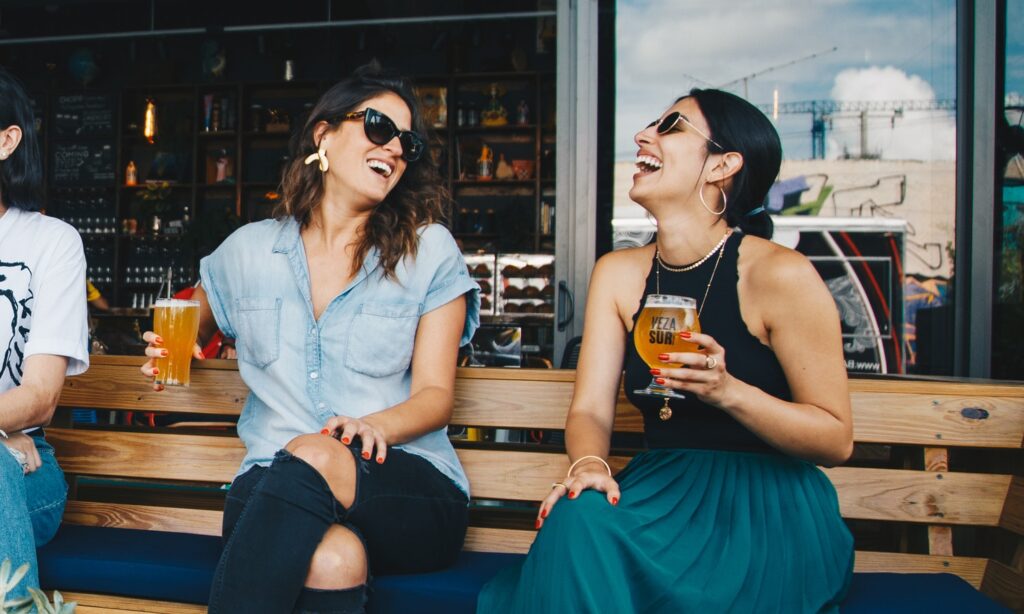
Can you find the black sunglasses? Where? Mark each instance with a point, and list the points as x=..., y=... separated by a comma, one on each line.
x=380, y=130
x=673, y=118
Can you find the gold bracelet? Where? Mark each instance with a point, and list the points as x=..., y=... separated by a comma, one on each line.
x=603, y=462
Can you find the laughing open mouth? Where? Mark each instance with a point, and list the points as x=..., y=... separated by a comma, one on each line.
x=647, y=164
x=380, y=167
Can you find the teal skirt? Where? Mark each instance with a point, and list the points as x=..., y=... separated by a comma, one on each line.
x=695, y=531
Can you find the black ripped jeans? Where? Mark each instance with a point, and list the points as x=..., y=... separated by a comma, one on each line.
x=410, y=517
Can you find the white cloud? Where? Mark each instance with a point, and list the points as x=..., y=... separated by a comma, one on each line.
x=664, y=48
x=914, y=135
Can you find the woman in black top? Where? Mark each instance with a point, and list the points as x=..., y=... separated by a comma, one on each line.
x=727, y=510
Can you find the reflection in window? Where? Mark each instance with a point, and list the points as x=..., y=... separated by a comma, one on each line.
x=1007, y=358
x=863, y=96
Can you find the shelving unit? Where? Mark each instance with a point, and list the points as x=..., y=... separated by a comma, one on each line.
x=217, y=160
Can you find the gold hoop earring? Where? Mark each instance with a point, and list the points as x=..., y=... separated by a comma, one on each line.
x=725, y=199
x=321, y=157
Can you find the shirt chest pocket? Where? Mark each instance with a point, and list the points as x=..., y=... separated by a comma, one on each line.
x=381, y=338
x=259, y=329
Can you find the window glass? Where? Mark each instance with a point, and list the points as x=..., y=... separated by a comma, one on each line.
x=1008, y=302
x=863, y=97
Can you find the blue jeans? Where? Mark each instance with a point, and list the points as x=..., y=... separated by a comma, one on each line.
x=31, y=507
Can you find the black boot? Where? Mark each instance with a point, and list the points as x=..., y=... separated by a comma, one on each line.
x=265, y=561
x=342, y=601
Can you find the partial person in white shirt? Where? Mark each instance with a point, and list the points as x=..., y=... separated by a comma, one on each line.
x=43, y=337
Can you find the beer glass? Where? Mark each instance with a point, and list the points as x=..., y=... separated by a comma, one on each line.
x=177, y=322
x=657, y=332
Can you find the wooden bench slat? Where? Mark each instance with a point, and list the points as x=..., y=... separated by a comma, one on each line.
x=111, y=386
x=981, y=421
x=484, y=539
x=1004, y=584
x=168, y=456
x=89, y=603
x=971, y=569
x=874, y=494
x=1013, y=509
x=885, y=411
x=148, y=517
x=919, y=496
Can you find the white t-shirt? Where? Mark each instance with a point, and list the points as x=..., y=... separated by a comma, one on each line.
x=42, y=294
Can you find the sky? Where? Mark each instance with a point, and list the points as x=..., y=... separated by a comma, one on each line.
x=884, y=50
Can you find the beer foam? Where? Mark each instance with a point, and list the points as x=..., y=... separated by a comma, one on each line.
x=175, y=303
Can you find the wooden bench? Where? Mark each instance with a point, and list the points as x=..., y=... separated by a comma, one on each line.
x=910, y=433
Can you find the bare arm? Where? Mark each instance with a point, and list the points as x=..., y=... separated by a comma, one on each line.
x=32, y=403
x=615, y=283
x=588, y=427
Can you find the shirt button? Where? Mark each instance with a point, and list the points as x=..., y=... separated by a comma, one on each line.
x=313, y=375
x=321, y=405
x=312, y=330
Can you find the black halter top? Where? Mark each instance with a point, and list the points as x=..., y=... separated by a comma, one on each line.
x=695, y=424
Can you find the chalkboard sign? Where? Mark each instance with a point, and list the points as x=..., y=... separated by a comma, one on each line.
x=88, y=163
x=83, y=115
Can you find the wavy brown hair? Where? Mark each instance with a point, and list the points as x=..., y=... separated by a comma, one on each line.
x=418, y=199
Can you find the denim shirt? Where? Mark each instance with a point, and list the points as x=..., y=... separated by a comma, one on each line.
x=355, y=360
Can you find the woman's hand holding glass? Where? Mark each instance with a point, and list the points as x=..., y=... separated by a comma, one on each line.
x=591, y=475
x=346, y=429
x=155, y=350
x=701, y=373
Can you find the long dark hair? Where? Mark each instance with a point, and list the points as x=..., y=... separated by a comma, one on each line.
x=417, y=200
x=739, y=126
x=21, y=174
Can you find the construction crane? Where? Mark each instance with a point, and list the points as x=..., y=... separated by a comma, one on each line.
x=744, y=79
x=823, y=110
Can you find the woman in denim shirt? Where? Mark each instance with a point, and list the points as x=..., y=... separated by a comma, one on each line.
x=348, y=311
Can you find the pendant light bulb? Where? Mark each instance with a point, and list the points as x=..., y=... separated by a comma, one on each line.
x=149, y=124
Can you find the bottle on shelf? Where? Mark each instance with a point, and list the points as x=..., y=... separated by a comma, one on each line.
x=131, y=174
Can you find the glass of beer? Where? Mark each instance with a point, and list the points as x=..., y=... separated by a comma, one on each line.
x=657, y=332
x=177, y=322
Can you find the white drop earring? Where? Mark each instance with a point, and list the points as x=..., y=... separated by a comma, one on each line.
x=321, y=157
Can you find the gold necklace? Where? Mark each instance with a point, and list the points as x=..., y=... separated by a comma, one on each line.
x=720, y=248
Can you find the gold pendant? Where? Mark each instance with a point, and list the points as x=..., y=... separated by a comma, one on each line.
x=665, y=412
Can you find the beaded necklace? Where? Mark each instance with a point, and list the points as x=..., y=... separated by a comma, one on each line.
x=720, y=248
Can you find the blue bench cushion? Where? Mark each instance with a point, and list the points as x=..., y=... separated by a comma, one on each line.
x=881, y=593
x=179, y=567
x=134, y=563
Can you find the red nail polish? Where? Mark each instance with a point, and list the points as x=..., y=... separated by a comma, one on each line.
x=655, y=371
x=155, y=371
x=572, y=495
x=159, y=339
x=615, y=500
x=380, y=460
x=686, y=334
x=324, y=432
x=164, y=353
x=543, y=513
x=537, y=524
x=660, y=381
x=366, y=455
x=663, y=357
x=344, y=440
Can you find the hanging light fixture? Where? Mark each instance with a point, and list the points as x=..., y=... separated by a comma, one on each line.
x=149, y=123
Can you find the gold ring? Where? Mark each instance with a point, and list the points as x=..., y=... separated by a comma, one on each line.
x=710, y=362
x=555, y=485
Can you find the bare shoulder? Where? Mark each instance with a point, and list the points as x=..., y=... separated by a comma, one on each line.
x=624, y=262
x=618, y=280
x=772, y=268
